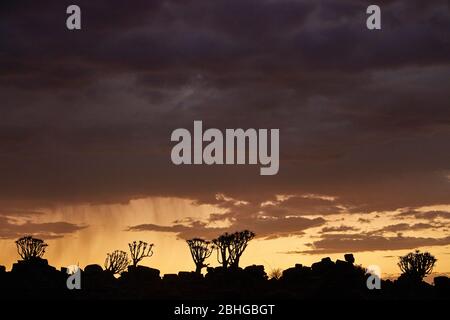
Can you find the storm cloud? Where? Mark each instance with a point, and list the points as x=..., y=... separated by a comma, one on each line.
x=86, y=117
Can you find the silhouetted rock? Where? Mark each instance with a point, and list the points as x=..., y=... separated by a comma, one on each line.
x=407, y=280
x=344, y=266
x=325, y=265
x=323, y=280
x=170, y=277
x=189, y=276
x=441, y=281
x=349, y=258
x=256, y=272
x=296, y=274
x=93, y=269
x=35, y=274
x=220, y=273
x=143, y=271
x=97, y=280
x=442, y=285
x=212, y=270
x=32, y=266
x=140, y=276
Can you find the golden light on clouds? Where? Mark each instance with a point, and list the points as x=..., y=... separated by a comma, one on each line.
x=106, y=231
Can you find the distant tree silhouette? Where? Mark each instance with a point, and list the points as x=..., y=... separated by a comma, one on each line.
x=222, y=245
x=200, y=251
x=416, y=265
x=117, y=261
x=231, y=246
x=29, y=247
x=140, y=250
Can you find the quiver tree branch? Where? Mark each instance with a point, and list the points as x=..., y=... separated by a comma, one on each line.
x=222, y=244
x=200, y=251
x=230, y=247
x=29, y=247
x=416, y=264
x=117, y=261
x=238, y=244
x=140, y=250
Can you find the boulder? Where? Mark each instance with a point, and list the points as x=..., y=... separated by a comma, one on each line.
x=296, y=274
x=93, y=269
x=34, y=265
x=442, y=282
x=143, y=271
x=189, y=276
x=325, y=265
x=256, y=272
x=170, y=277
x=349, y=258
x=36, y=274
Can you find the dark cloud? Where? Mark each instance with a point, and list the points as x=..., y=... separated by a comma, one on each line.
x=341, y=228
x=304, y=205
x=408, y=227
x=268, y=228
x=332, y=240
x=337, y=243
x=427, y=215
x=10, y=229
x=86, y=116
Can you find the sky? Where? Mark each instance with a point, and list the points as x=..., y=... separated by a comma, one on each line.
x=364, y=118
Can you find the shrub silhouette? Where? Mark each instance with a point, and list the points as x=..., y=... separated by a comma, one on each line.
x=416, y=265
x=200, y=251
x=29, y=247
x=140, y=251
x=116, y=262
x=276, y=273
x=230, y=247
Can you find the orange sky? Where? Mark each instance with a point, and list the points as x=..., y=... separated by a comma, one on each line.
x=106, y=225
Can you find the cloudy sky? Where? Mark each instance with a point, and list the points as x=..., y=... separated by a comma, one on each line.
x=364, y=119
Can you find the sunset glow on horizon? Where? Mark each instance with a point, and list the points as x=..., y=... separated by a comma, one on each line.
x=103, y=229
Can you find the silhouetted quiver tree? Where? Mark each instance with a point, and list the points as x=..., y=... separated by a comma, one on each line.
x=238, y=244
x=416, y=265
x=140, y=250
x=231, y=246
x=117, y=262
x=200, y=251
x=29, y=247
x=222, y=245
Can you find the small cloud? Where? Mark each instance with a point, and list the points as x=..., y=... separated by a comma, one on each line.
x=427, y=215
x=341, y=243
x=48, y=230
x=341, y=228
x=267, y=228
